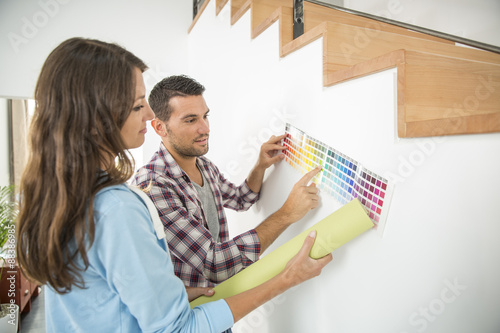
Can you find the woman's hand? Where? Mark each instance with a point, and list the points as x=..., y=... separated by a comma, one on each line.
x=195, y=292
x=302, y=267
x=299, y=269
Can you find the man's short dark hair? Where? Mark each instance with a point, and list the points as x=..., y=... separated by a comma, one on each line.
x=169, y=87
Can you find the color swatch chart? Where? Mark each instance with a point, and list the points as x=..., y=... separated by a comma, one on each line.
x=342, y=177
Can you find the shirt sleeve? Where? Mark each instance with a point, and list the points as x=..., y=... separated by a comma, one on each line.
x=135, y=265
x=193, y=244
x=238, y=198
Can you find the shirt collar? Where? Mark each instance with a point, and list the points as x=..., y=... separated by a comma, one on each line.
x=171, y=167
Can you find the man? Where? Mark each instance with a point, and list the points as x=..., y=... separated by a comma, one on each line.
x=190, y=193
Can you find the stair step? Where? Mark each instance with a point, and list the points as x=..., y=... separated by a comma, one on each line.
x=439, y=95
x=238, y=8
x=219, y=4
x=264, y=13
x=443, y=89
x=347, y=45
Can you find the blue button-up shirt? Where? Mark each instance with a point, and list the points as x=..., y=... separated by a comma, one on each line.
x=130, y=285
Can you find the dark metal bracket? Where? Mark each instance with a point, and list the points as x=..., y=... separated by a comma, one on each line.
x=298, y=18
x=196, y=6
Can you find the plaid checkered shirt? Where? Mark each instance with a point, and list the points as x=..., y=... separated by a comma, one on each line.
x=198, y=260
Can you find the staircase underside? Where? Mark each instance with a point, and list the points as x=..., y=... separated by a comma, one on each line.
x=442, y=88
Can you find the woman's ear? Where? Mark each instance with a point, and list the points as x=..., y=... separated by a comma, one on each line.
x=159, y=127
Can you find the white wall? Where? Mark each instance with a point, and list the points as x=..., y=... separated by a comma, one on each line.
x=436, y=267
x=154, y=30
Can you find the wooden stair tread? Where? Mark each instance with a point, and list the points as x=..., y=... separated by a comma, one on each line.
x=264, y=14
x=444, y=95
x=347, y=46
x=238, y=8
x=263, y=10
x=219, y=4
x=316, y=14
x=442, y=88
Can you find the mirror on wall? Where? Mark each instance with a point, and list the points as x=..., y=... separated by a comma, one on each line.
x=15, y=115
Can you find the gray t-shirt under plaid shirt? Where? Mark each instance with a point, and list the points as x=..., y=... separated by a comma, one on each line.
x=209, y=208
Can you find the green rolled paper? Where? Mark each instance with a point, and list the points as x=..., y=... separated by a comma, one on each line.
x=333, y=231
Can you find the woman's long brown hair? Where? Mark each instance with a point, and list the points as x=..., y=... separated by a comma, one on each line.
x=84, y=94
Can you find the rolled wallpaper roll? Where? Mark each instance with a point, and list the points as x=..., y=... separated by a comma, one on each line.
x=333, y=231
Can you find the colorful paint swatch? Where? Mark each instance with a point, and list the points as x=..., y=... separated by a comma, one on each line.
x=342, y=177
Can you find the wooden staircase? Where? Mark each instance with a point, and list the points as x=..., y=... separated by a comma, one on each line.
x=442, y=88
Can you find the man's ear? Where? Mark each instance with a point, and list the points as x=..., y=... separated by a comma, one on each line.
x=159, y=127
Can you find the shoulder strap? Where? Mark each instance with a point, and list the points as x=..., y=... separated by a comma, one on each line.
x=157, y=224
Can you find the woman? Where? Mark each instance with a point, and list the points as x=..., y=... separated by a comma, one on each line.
x=83, y=232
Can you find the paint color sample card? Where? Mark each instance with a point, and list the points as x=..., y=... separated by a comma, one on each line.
x=341, y=177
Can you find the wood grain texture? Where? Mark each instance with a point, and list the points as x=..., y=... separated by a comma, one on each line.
x=264, y=14
x=442, y=89
x=374, y=65
x=348, y=45
x=238, y=8
x=315, y=14
x=219, y=4
x=309, y=36
x=445, y=96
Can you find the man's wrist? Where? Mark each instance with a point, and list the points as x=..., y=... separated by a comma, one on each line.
x=283, y=216
x=259, y=167
x=255, y=178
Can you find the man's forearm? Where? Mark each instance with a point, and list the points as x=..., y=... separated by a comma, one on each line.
x=271, y=228
x=255, y=178
x=301, y=199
